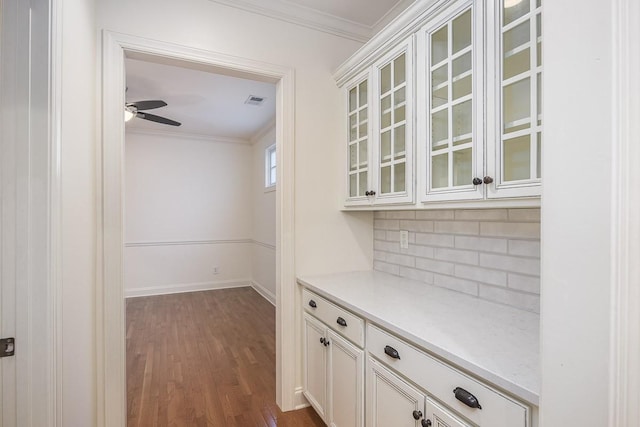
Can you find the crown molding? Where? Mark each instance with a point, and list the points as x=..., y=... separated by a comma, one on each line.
x=405, y=24
x=304, y=16
x=260, y=133
x=196, y=136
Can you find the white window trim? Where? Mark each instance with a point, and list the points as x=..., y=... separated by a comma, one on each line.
x=268, y=186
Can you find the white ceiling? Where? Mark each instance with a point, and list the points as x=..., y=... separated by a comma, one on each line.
x=365, y=12
x=206, y=104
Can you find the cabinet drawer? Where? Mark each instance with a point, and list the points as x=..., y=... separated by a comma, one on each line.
x=340, y=320
x=440, y=380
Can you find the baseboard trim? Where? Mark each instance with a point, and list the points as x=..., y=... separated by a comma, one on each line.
x=300, y=401
x=264, y=292
x=186, y=287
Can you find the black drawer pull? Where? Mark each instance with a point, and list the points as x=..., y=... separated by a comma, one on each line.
x=467, y=398
x=417, y=415
x=341, y=321
x=426, y=423
x=312, y=303
x=392, y=352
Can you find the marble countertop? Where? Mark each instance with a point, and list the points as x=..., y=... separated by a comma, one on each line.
x=493, y=342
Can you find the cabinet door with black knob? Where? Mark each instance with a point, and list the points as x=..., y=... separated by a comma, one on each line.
x=315, y=356
x=345, y=382
x=391, y=401
x=437, y=416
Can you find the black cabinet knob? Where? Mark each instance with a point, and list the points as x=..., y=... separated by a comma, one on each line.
x=487, y=180
x=373, y=193
x=312, y=303
x=321, y=340
x=326, y=343
x=367, y=193
x=340, y=321
x=417, y=415
x=391, y=352
x=426, y=423
x=476, y=181
x=467, y=398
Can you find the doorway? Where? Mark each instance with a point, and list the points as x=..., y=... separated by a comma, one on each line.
x=110, y=296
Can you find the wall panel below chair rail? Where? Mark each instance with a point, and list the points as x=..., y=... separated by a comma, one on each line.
x=153, y=268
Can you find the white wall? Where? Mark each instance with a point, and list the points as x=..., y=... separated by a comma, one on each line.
x=263, y=259
x=576, y=215
x=187, y=209
x=78, y=223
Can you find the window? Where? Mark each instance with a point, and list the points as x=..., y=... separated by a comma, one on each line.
x=270, y=167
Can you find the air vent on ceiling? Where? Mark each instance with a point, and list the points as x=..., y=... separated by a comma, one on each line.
x=255, y=100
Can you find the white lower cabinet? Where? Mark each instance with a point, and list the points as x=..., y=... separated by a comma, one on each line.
x=333, y=375
x=391, y=401
x=405, y=386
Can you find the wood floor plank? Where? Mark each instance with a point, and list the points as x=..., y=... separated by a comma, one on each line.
x=204, y=359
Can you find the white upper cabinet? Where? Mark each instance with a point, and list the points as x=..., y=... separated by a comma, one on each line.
x=380, y=131
x=515, y=93
x=451, y=104
x=469, y=92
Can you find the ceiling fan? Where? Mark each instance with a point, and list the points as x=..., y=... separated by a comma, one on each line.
x=136, y=109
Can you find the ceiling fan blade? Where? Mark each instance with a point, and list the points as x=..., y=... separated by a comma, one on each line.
x=147, y=105
x=157, y=119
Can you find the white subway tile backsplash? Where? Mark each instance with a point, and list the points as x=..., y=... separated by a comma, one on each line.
x=386, y=224
x=510, y=263
x=524, y=215
x=386, y=268
x=405, y=260
x=490, y=253
x=435, y=266
x=457, y=256
x=431, y=239
x=432, y=215
x=529, y=248
x=401, y=214
x=457, y=227
x=481, y=244
x=456, y=284
x=481, y=215
x=524, y=283
x=419, y=251
x=381, y=245
x=529, y=302
x=420, y=275
x=480, y=274
x=379, y=235
x=525, y=230
x=419, y=226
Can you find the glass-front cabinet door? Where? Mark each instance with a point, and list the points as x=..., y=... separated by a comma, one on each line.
x=452, y=121
x=358, y=146
x=394, y=126
x=518, y=135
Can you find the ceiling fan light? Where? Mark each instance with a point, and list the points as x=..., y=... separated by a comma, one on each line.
x=128, y=115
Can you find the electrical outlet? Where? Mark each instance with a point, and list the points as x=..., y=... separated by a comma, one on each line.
x=216, y=270
x=404, y=239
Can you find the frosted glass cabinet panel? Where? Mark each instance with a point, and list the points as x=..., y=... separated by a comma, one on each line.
x=358, y=139
x=392, y=75
x=519, y=134
x=452, y=67
x=379, y=135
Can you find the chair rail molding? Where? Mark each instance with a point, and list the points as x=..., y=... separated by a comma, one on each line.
x=110, y=321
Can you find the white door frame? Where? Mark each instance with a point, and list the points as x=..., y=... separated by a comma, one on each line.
x=110, y=307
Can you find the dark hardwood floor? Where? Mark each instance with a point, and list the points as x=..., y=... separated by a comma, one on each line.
x=204, y=359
